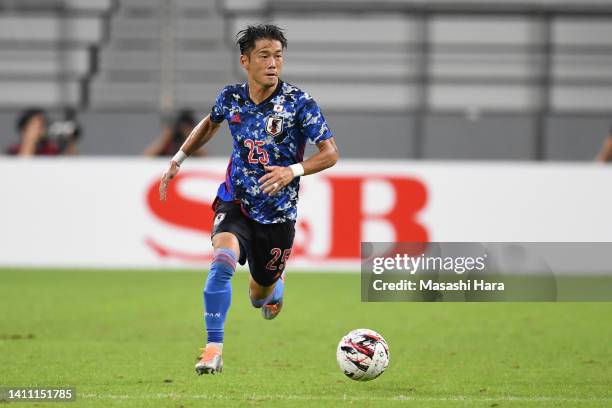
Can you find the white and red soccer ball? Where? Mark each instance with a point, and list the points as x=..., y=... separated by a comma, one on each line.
x=363, y=355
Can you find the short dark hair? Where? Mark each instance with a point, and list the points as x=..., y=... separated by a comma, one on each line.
x=246, y=38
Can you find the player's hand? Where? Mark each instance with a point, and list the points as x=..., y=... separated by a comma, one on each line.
x=168, y=175
x=275, y=179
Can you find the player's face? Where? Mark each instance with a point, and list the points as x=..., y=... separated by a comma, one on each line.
x=264, y=63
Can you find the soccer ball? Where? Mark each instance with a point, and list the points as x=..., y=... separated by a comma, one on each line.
x=363, y=355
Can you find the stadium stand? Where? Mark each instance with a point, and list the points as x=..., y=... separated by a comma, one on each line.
x=476, y=80
x=160, y=56
x=442, y=80
x=46, y=50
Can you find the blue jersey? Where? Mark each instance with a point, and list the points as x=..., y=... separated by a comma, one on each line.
x=272, y=133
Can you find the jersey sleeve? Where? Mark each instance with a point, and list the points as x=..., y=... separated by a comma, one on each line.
x=314, y=126
x=217, y=113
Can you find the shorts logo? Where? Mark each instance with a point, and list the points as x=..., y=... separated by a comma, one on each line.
x=220, y=217
x=274, y=125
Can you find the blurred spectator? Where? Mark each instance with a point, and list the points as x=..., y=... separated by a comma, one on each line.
x=32, y=130
x=38, y=138
x=66, y=132
x=605, y=154
x=173, y=136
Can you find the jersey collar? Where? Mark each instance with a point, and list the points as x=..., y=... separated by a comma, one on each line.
x=279, y=86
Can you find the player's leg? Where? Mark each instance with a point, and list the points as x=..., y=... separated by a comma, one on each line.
x=260, y=295
x=268, y=298
x=228, y=227
x=217, y=300
x=267, y=260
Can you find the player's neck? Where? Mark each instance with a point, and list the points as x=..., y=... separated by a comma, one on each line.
x=259, y=93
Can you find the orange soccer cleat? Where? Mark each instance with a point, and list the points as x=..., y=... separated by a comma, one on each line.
x=210, y=361
x=270, y=311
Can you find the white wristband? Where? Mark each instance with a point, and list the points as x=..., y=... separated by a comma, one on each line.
x=297, y=169
x=179, y=157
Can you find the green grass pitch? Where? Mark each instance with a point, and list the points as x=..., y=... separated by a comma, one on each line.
x=130, y=338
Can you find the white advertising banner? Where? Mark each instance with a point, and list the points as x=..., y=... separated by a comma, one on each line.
x=106, y=212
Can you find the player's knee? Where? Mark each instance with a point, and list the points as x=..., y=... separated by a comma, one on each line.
x=226, y=241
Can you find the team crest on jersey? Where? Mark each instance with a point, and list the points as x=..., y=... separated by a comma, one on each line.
x=274, y=125
x=220, y=217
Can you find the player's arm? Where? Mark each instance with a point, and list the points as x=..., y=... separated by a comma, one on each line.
x=278, y=177
x=605, y=154
x=199, y=136
x=326, y=157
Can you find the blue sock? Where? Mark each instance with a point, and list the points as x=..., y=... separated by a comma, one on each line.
x=275, y=297
x=218, y=293
x=260, y=302
x=278, y=290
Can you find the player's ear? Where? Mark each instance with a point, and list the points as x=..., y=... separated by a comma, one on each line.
x=244, y=61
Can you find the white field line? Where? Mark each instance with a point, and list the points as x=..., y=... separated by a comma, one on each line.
x=262, y=397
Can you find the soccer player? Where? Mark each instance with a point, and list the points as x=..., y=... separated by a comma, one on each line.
x=256, y=207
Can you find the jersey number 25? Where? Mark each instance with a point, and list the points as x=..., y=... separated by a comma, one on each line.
x=255, y=148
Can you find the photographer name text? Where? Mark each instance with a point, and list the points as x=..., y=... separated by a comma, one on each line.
x=430, y=284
